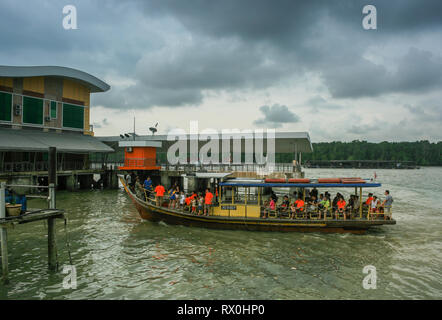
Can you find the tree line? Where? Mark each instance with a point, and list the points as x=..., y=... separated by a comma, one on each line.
x=423, y=153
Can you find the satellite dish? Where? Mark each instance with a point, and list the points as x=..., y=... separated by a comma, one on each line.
x=154, y=129
x=126, y=135
x=121, y=136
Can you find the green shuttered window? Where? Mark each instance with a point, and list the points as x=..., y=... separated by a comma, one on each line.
x=53, y=110
x=32, y=110
x=73, y=116
x=5, y=106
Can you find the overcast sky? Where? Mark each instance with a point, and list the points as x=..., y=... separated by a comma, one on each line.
x=290, y=65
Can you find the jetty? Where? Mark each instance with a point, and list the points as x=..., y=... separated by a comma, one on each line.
x=32, y=215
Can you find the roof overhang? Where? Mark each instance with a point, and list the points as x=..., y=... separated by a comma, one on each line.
x=285, y=142
x=93, y=83
x=22, y=140
x=145, y=143
x=302, y=185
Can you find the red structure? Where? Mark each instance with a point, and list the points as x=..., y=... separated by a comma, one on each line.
x=140, y=155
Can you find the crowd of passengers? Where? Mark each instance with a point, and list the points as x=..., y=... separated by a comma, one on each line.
x=322, y=206
x=195, y=203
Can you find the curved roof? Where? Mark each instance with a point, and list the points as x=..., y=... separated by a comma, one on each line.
x=93, y=83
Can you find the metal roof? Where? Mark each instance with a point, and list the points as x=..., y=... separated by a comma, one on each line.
x=285, y=142
x=93, y=83
x=21, y=140
x=145, y=143
x=302, y=185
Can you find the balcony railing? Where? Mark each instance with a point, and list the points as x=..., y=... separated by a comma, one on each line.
x=29, y=166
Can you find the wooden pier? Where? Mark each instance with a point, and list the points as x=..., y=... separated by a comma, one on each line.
x=50, y=215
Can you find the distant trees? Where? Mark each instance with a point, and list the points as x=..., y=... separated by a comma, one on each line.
x=423, y=152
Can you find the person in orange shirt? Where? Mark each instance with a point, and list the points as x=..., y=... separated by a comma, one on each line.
x=159, y=194
x=188, y=200
x=341, y=207
x=207, y=201
x=299, y=203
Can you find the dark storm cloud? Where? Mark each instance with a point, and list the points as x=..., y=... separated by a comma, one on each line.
x=418, y=71
x=320, y=36
x=176, y=51
x=276, y=115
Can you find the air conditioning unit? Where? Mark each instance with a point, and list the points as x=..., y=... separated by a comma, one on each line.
x=17, y=110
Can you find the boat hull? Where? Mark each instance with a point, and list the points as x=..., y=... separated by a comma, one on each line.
x=155, y=213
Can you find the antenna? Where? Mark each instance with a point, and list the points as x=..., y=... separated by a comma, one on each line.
x=154, y=129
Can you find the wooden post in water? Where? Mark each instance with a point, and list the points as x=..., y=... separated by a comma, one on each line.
x=52, y=179
x=4, y=234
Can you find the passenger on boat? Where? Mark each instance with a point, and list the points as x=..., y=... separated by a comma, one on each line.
x=299, y=203
x=335, y=202
x=312, y=203
x=355, y=204
x=129, y=180
x=172, y=197
x=148, y=185
x=374, y=206
x=182, y=199
x=274, y=196
x=325, y=204
x=386, y=205
x=314, y=193
x=272, y=205
x=200, y=204
x=321, y=198
x=369, y=199
x=285, y=205
x=159, y=194
x=194, y=203
x=188, y=200
x=139, y=190
x=208, y=202
x=341, y=207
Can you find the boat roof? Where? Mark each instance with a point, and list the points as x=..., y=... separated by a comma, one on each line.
x=300, y=185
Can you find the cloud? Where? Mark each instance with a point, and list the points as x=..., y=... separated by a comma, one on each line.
x=276, y=115
x=101, y=124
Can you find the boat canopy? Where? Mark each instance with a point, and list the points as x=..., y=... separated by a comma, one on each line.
x=300, y=185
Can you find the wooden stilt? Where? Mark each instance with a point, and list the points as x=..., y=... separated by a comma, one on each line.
x=52, y=177
x=4, y=235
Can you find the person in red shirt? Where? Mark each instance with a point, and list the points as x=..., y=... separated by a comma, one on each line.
x=159, y=194
x=207, y=202
x=369, y=199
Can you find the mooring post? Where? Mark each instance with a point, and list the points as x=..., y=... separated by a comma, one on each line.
x=52, y=179
x=4, y=233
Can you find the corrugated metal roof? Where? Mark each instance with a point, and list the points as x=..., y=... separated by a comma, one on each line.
x=35, y=140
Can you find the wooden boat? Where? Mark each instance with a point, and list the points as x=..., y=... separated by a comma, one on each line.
x=231, y=213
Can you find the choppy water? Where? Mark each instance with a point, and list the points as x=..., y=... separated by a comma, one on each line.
x=118, y=256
